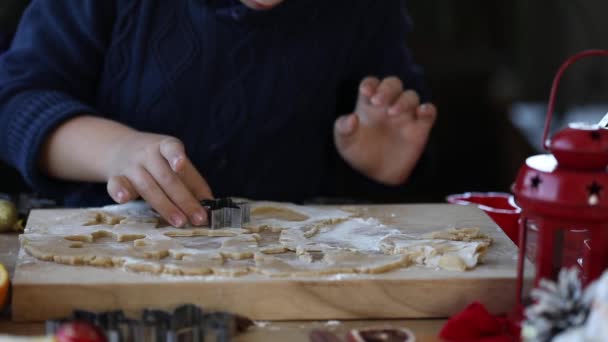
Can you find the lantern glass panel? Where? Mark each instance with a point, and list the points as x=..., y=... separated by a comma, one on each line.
x=550, y=246
x=529, y=265
x=576, y=246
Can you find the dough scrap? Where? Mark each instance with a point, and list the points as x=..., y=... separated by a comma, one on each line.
x=446, y=254
x=194, y=265
x=231, y=268
x=460, y=234
x=240, y=247
x=331, y=262
x=225, y=232
x=119, y=235
x=365, y=263
x=267, y=212
x=142, y=266
x=276, y=266
x=62, y=251
x=105, y=218
x=296, y=216
x=273, y=249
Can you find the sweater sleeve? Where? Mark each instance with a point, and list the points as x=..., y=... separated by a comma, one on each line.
x=48, y=75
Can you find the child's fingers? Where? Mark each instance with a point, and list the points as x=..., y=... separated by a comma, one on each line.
x=388, y=91
x=344, y=131
x=346, y=124
x=151, y=192
x=194, y=181
x=368, y=86
x=121, y=190
x=172, y=185
x=427, y=113
x=406, y=104
x=174, y=152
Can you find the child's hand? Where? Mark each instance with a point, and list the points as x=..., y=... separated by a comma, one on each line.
x=156, y=168
x=387, y=133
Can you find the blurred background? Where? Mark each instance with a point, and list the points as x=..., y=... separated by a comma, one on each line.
x=490, y=65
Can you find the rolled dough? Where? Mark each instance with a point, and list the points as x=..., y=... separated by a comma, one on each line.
x=281, y=240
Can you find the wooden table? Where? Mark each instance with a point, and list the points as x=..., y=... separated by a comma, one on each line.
x=425, y=330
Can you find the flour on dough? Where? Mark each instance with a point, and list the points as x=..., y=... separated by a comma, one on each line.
x=281, y=240
x=154, y=248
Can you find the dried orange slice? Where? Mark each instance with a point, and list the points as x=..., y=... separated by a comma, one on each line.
x=3, y=285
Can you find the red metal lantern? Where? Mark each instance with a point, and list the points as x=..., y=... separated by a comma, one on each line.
x=564, y=201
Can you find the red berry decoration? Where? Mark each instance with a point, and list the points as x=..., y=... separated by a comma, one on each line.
x=79, y=331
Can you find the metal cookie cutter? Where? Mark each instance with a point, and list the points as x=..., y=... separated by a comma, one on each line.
x=226, y=213
x=186, y=323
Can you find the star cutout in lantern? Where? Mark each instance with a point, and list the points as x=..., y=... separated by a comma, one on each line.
x=594, y=189
x=536, y=181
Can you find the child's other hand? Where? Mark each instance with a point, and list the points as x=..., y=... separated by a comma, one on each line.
x=387, y=133
x=156, y=168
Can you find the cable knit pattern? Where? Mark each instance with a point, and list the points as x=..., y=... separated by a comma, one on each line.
x=38, y=112
x=252, y=94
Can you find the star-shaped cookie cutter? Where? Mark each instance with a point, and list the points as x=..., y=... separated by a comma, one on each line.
x=226, y=213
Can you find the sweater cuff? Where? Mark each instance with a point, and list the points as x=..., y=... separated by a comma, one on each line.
x=35, y=114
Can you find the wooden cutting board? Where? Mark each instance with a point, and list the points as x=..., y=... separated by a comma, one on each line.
x=45, y=290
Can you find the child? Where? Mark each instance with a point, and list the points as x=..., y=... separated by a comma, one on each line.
x=169, y=100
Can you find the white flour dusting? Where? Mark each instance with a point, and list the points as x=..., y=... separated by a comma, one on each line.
x=360, y=234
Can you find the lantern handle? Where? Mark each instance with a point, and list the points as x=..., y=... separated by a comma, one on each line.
x=556, y=80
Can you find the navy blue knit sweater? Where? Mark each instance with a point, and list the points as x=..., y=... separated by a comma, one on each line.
x=252, y=94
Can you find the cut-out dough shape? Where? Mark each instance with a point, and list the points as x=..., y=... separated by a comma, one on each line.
x=148, y=248
x=363, y=262
x=460, y=234
x=195, y=265
x=277, y=266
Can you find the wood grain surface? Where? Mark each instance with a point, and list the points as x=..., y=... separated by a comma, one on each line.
x=44, y=290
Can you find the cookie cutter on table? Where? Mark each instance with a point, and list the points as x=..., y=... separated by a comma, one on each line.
x=226, y=213
x=187, y=323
